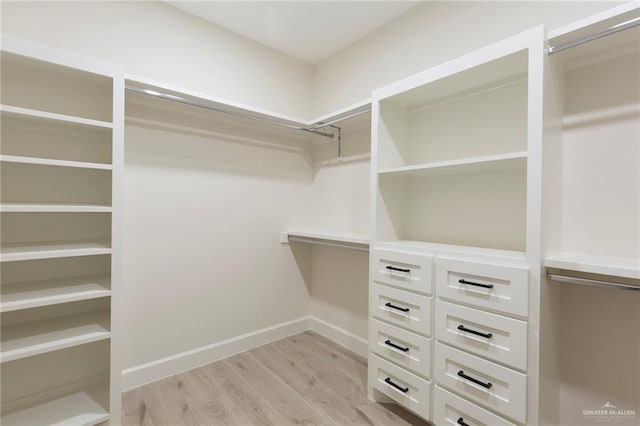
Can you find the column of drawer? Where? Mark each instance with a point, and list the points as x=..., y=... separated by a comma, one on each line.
x=479, y=347
x=400, y=328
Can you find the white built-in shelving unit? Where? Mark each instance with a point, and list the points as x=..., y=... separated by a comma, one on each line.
x=451, y=146
x=61, y=164
x=455, y=247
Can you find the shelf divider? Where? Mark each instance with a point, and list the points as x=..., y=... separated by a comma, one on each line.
x=27, y=112
x=509, y=161
x=39, y=337
x=27, y=295
x=53, y=162
x=54, y=208
x=50, y=250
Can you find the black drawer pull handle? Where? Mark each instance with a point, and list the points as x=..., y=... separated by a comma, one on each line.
x=476, y=381
x=461, y=422
x=400, y=388
x=393, y=345
x=463, y=281
x=477, y=333
x=390, y=305
x=393, y=268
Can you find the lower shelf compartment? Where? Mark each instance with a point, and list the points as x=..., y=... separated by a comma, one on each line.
x=84, y=407
x=42, y=293
x=34, y=338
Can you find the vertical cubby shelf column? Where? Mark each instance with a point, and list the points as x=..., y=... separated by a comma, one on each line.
x=61, y=164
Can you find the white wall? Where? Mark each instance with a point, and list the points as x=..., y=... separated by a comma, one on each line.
x=426, y=35
x=159, y=42
x=203, y=211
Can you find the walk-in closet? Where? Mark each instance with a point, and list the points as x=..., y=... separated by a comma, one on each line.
x=322, y=213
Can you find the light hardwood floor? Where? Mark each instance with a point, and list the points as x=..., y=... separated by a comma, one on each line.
x=301, y=380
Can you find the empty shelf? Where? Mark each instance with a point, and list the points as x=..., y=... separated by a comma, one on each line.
x=612, y=266
x=42, y=293
x=517, y=160
x=38, y=337
x=53, y=162
x=50, y=250
x=27, y=112
x=354, y=241
x=84, y=407
x=54, y=207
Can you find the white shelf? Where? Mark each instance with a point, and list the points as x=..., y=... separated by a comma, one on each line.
x=52, y=162
x=50, y=292
x=54, y=208
x=35, y=338
x=50, y=250
x=346, y=240
x=612, y=266
x=516, y=160
x=85, y=407
x=27, y=112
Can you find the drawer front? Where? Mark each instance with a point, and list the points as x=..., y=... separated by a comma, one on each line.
x=493, y=287
x=402, y=347
x=401, y=308
x=493, y=336
x=403, y=270
x=405, y=388
x=449, y=409
x=481, y=381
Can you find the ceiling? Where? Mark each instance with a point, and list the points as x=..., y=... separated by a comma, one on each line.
x=308, y=30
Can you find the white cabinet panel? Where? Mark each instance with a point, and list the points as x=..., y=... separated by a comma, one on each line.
x=493, y=287
x=403, y=387
x=404, y=348
x=449, y=409
x=408, y=271
x=401, y=308
x=493, y=336
x=481, y=381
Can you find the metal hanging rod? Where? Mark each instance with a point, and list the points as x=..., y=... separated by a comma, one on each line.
x=593, y=283
x=594, y=36
x=315, y=128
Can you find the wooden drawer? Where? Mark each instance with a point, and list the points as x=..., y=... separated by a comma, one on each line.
x=405, y=388
x=481, y=381
x=449, y=409
x=489, y=286
x=402, y=347
x=409, y=310
x=408, y=271
x=493, y=336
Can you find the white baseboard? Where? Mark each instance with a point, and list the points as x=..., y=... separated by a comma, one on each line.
x=156, y=370
x=339, y=336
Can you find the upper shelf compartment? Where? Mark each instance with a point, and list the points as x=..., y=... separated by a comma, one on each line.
x=478, y=109
x=38, y=85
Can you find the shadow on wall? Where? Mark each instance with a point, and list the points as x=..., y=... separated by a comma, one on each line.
x=340, y=287
x=302, y=255
x=160, y=133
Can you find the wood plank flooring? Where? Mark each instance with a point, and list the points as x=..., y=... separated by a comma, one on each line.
x=301, y=380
